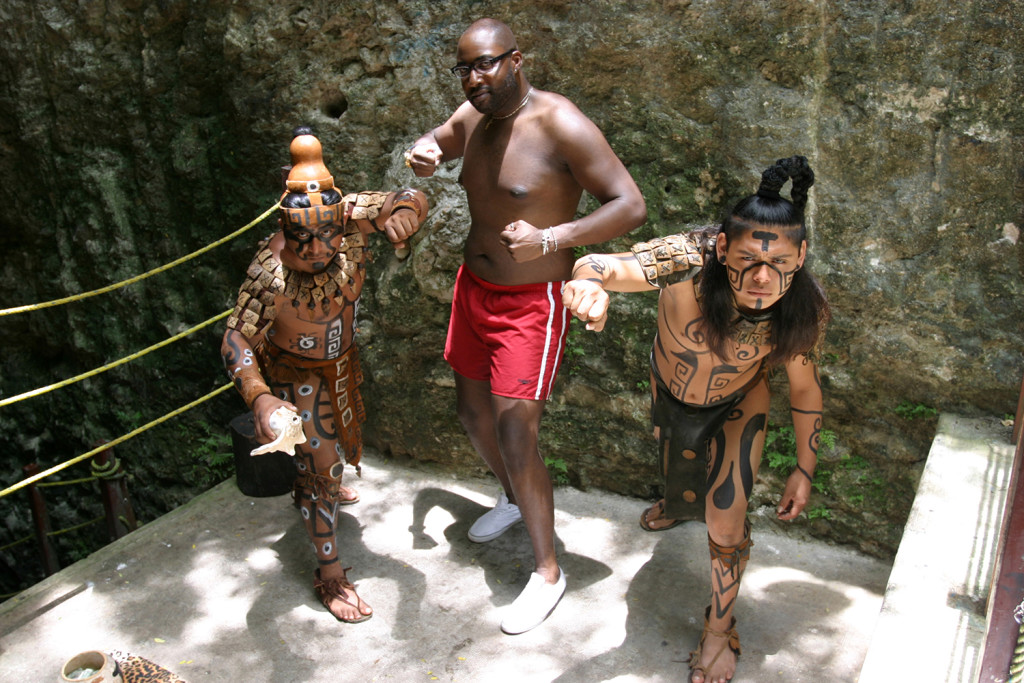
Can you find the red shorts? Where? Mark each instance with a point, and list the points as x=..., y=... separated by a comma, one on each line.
x=512, y=336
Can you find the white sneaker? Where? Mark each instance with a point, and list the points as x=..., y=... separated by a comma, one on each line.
x=534, y=604
x=495, y=521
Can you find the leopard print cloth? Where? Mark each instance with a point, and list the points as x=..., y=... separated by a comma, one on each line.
x=135, y=669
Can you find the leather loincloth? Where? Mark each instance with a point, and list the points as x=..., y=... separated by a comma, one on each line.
x=341, y=376
x=684, y=443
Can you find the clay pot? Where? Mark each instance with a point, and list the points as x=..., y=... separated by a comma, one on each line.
x=103, y=667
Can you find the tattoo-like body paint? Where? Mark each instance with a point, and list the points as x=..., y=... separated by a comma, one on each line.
x=766, y=238
x=595, y=264
x=324, y=234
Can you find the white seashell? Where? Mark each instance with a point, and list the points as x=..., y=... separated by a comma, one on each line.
x=287, y=425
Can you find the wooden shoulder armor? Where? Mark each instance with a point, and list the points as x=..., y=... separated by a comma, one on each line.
x=668, y=260
x=364, y=205
x=254, y=307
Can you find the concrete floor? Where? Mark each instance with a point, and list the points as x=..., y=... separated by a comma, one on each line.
x=221, y=590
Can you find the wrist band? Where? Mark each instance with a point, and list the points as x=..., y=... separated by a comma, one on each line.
x=804, y=472
x=406, y=200
x=250, y=384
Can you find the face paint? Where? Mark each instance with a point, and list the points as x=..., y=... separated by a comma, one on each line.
x=761, y=265
x=766, y=238
x=314, y=247
x=313, y=234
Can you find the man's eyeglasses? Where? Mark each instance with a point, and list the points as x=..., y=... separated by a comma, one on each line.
x=481, y=66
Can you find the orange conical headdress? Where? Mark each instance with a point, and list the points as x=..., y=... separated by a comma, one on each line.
x=309, y=176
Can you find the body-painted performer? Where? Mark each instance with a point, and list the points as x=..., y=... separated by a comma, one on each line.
x=289, y=341
x=528, y=155
x=734, y=303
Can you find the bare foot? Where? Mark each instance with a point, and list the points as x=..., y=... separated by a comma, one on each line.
x=654, y=519
x=347, y=496
x=339, y=597
x=717, y=661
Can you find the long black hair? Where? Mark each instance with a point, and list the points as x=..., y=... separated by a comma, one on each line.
x=300, y=200
x=799, y=317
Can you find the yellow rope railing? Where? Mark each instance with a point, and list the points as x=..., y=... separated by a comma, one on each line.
x=51, y=534
x=75, y=527
x=96, y=371
x=110, y=444
x=1016, y=670
x=109, y=366
x=68, y=482
x=137, y=278
x=23, y=539
x=1017, y=663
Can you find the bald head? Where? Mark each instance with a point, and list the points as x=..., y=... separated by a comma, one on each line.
x=490, y=30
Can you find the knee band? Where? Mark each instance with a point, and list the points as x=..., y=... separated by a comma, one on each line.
x=325, y=487
x=733, y=558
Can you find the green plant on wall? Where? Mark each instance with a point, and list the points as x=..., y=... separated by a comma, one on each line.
x=213, y=457
x=558, y=469
x=780, y=453
x=780, y=447
x=915, y=411
x=131, y=419
x=574, y=342
x=574, y=350
x=860, y=482
x=819, y=512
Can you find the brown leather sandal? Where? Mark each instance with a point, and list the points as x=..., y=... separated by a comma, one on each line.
x=338, y=589
x=645, y=523
x=732, y=642
x=344, y=495
x=347, y=496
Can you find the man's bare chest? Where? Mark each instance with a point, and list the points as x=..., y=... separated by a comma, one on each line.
x=748, y=340
x=523, y=167
x=695, y=374
x=323, y=336
x=316, y=311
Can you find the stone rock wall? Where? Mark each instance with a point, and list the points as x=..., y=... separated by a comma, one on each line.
x=134, y=132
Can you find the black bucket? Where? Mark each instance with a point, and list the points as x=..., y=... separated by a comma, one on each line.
x=270, y=474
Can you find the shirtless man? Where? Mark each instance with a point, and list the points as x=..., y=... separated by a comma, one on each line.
x=289, y=342
x=724, y=296
x=528, y=155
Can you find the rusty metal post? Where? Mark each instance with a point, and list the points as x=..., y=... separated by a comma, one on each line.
x=47, y=553
x=1007, y=590
x=120, y=516
x=1020, y=415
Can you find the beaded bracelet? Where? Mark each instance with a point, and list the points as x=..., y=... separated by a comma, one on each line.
x=548, y=242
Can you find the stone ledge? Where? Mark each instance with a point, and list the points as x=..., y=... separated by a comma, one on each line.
x=932, y=623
